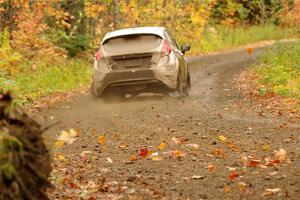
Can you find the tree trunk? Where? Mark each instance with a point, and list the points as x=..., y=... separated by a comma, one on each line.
x=24, y=159
x=116, y=15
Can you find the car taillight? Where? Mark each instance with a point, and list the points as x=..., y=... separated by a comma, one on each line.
x=166, y=49
x=98, y=55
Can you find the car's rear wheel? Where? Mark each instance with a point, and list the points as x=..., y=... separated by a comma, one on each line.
x=183, y=90
x=187, y=88
x=94, y=91
x=180, y=88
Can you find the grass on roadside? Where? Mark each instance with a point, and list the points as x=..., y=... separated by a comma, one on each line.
x=279, y=71
x=221, y=37
x=36, y=80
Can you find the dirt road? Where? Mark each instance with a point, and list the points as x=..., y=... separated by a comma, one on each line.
x=234, y=160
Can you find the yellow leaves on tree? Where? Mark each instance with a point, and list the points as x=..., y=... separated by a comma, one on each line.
x=185, y=19
x=291, y=17
x=28, y=38
x=8, y=56
x=92, y=9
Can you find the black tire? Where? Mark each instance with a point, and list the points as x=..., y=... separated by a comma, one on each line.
x=187, y=89
x=179, y=88
x=94, y=91
x=184, y=91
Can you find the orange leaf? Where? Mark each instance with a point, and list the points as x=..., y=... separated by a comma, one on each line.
x=227, y=189
x=150, y=152
x=270, y=162
x=60, y=157
x=178, y=154
x=218, y=152
x=59, y=143
x=254, y=163
x=101, y=139
x=133, y=158
x=250, y=50
x=242, y=186
x=233, y=175
x=211, y=168
x=232, y=146
x=162, y=146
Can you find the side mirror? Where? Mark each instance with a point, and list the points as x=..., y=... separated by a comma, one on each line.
x=185, y=48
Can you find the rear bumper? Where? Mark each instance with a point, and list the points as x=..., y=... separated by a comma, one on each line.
x=137, y=77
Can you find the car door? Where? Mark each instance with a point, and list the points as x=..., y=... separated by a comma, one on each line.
x=182, y=62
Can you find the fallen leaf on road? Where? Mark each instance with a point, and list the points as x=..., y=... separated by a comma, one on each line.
x=86, y=153
x=254, y=163
x=270, y=192
x=271, y=162
x=242, y=186
x=211, y=168
x=218, y=152
x=233, y=147
x=266, y=147
x=144, y=153
x=280, y=154
x=273, y=173
x=176, y=140
x=86, y=156
x=133, y=158
x=109, y=160
x=68, y=137
x=233, y=175
x=157, y=158
x=154, y=154
x=59, y=143
x=197, y=177
x=101, y=140
x=60, y=157
x=227, y=189
x=178, y=154
x=162, y=146
x=122, y=146
x=231, y=168
x=222, y=138
x=73, y=133
x=244, y=160
x=150, y=153
x=195, y=148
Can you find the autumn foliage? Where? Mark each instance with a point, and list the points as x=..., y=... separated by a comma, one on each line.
x=291, y=15
x=53, y=28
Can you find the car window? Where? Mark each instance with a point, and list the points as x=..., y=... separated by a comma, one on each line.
x=171, y=39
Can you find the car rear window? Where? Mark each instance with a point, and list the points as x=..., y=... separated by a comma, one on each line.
x=136, y=43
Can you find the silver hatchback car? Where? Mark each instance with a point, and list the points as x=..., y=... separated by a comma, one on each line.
x=138, y=60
